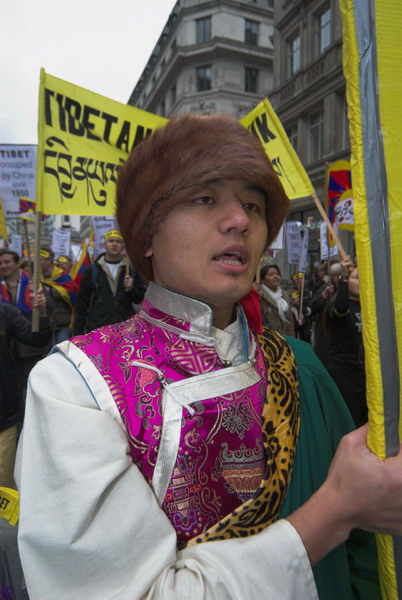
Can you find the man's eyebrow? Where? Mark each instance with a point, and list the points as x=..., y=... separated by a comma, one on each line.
x=254, y=188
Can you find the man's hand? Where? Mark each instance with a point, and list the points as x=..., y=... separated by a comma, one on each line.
x=38, y=300
x=329, y=290
x=371, y=488
x=347, y=265
x=128, y=283
x=361, y=490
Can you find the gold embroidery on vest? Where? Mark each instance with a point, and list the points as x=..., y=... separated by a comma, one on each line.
x=280, y=425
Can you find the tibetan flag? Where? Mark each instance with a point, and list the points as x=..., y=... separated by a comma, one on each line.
x=63, y=283
x=27, y=209
x=84, y=260
x=340, y=196
x=23, y=298
x=372, y=33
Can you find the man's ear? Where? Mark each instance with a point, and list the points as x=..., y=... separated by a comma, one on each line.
x=149, y=252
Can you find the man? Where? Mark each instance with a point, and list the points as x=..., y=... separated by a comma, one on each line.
x=62, y=290
x=14, y=326
x=173, y=435
x=106, y=294
x=15, y=290
x=65, y=263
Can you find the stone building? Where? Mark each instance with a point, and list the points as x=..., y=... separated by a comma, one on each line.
x=213, y=55
x=309, y=95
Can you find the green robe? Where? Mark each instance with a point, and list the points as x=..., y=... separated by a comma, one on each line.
x=350, y=571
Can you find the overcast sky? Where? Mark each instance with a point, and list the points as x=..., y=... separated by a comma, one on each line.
x=102, y=45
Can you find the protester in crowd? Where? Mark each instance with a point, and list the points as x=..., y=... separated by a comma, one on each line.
x=346, y=355
x=173, y=442
x=106, y=294
x=318, y=306
x=275, y=303
x=301, y=311
x=314, y=284
x=14, y=326
x=63, y=292
x=65, y=263
x=15, y=289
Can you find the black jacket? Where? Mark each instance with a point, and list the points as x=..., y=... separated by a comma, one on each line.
x=14, y=325
x=98, y=306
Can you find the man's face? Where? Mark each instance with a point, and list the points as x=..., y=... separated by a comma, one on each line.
x=209, y=245
x=46, y=265
x=66, y=265
x=8, y=266
x=113, y=249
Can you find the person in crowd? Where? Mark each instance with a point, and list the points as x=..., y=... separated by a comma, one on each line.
x=314, y=284
x=190, y=455
x=275, y=303
x=106, y=294
x=318, y=306
x=15, y=289
x=301, y=312
x=65, y=263
x=62, y=290
x=15, y=327
x=346, y=355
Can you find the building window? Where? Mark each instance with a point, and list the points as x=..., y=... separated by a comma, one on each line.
x=203, y=30
x=173, y=95
x=322, y=30
x=292, y=132
x=204, y=78
x=251, y=32
x=251, y=80
x=316, y=131
x=293, y=55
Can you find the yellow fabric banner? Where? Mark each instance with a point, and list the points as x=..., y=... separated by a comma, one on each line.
x=263, y=122
x=83, y=140
x=372, y=34
x=3, y=228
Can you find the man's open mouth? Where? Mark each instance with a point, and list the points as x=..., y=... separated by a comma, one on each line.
x=234, y=257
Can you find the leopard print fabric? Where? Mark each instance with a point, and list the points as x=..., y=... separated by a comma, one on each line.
x=280, y=424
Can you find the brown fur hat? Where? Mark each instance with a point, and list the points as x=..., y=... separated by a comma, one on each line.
x=189, y=151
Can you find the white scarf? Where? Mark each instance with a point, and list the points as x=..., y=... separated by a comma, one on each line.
x=278, y=301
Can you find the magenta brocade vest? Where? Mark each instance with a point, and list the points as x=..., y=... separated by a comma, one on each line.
x=193, y=420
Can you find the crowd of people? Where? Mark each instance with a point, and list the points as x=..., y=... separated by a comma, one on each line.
x=175, y=445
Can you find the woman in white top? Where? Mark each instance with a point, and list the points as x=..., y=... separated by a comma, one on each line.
x=275, y=303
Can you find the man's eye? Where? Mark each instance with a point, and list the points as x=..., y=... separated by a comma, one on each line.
x=203, y=200
x=253, y=207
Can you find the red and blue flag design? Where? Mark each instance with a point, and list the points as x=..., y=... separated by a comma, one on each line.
x=23, y=293
x=339, y=181
x=81, y=265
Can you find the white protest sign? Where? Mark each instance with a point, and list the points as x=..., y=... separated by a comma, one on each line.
x=304, y=252
x=17, y=176
x=277, y=244
x=324, y=244
x=101, y=225
x=16, y=244
x=293, y=241
x=61, y=241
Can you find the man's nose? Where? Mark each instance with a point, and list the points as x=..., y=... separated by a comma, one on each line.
x=234, y=216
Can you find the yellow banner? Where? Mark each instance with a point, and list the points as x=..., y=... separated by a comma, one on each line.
x=3, y=228
x=83, y=140
x=263, y=122
x=372, y=57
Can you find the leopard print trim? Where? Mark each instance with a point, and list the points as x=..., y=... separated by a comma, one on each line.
x=280, y=424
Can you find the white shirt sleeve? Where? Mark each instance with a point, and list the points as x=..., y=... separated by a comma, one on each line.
x=90, y=526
